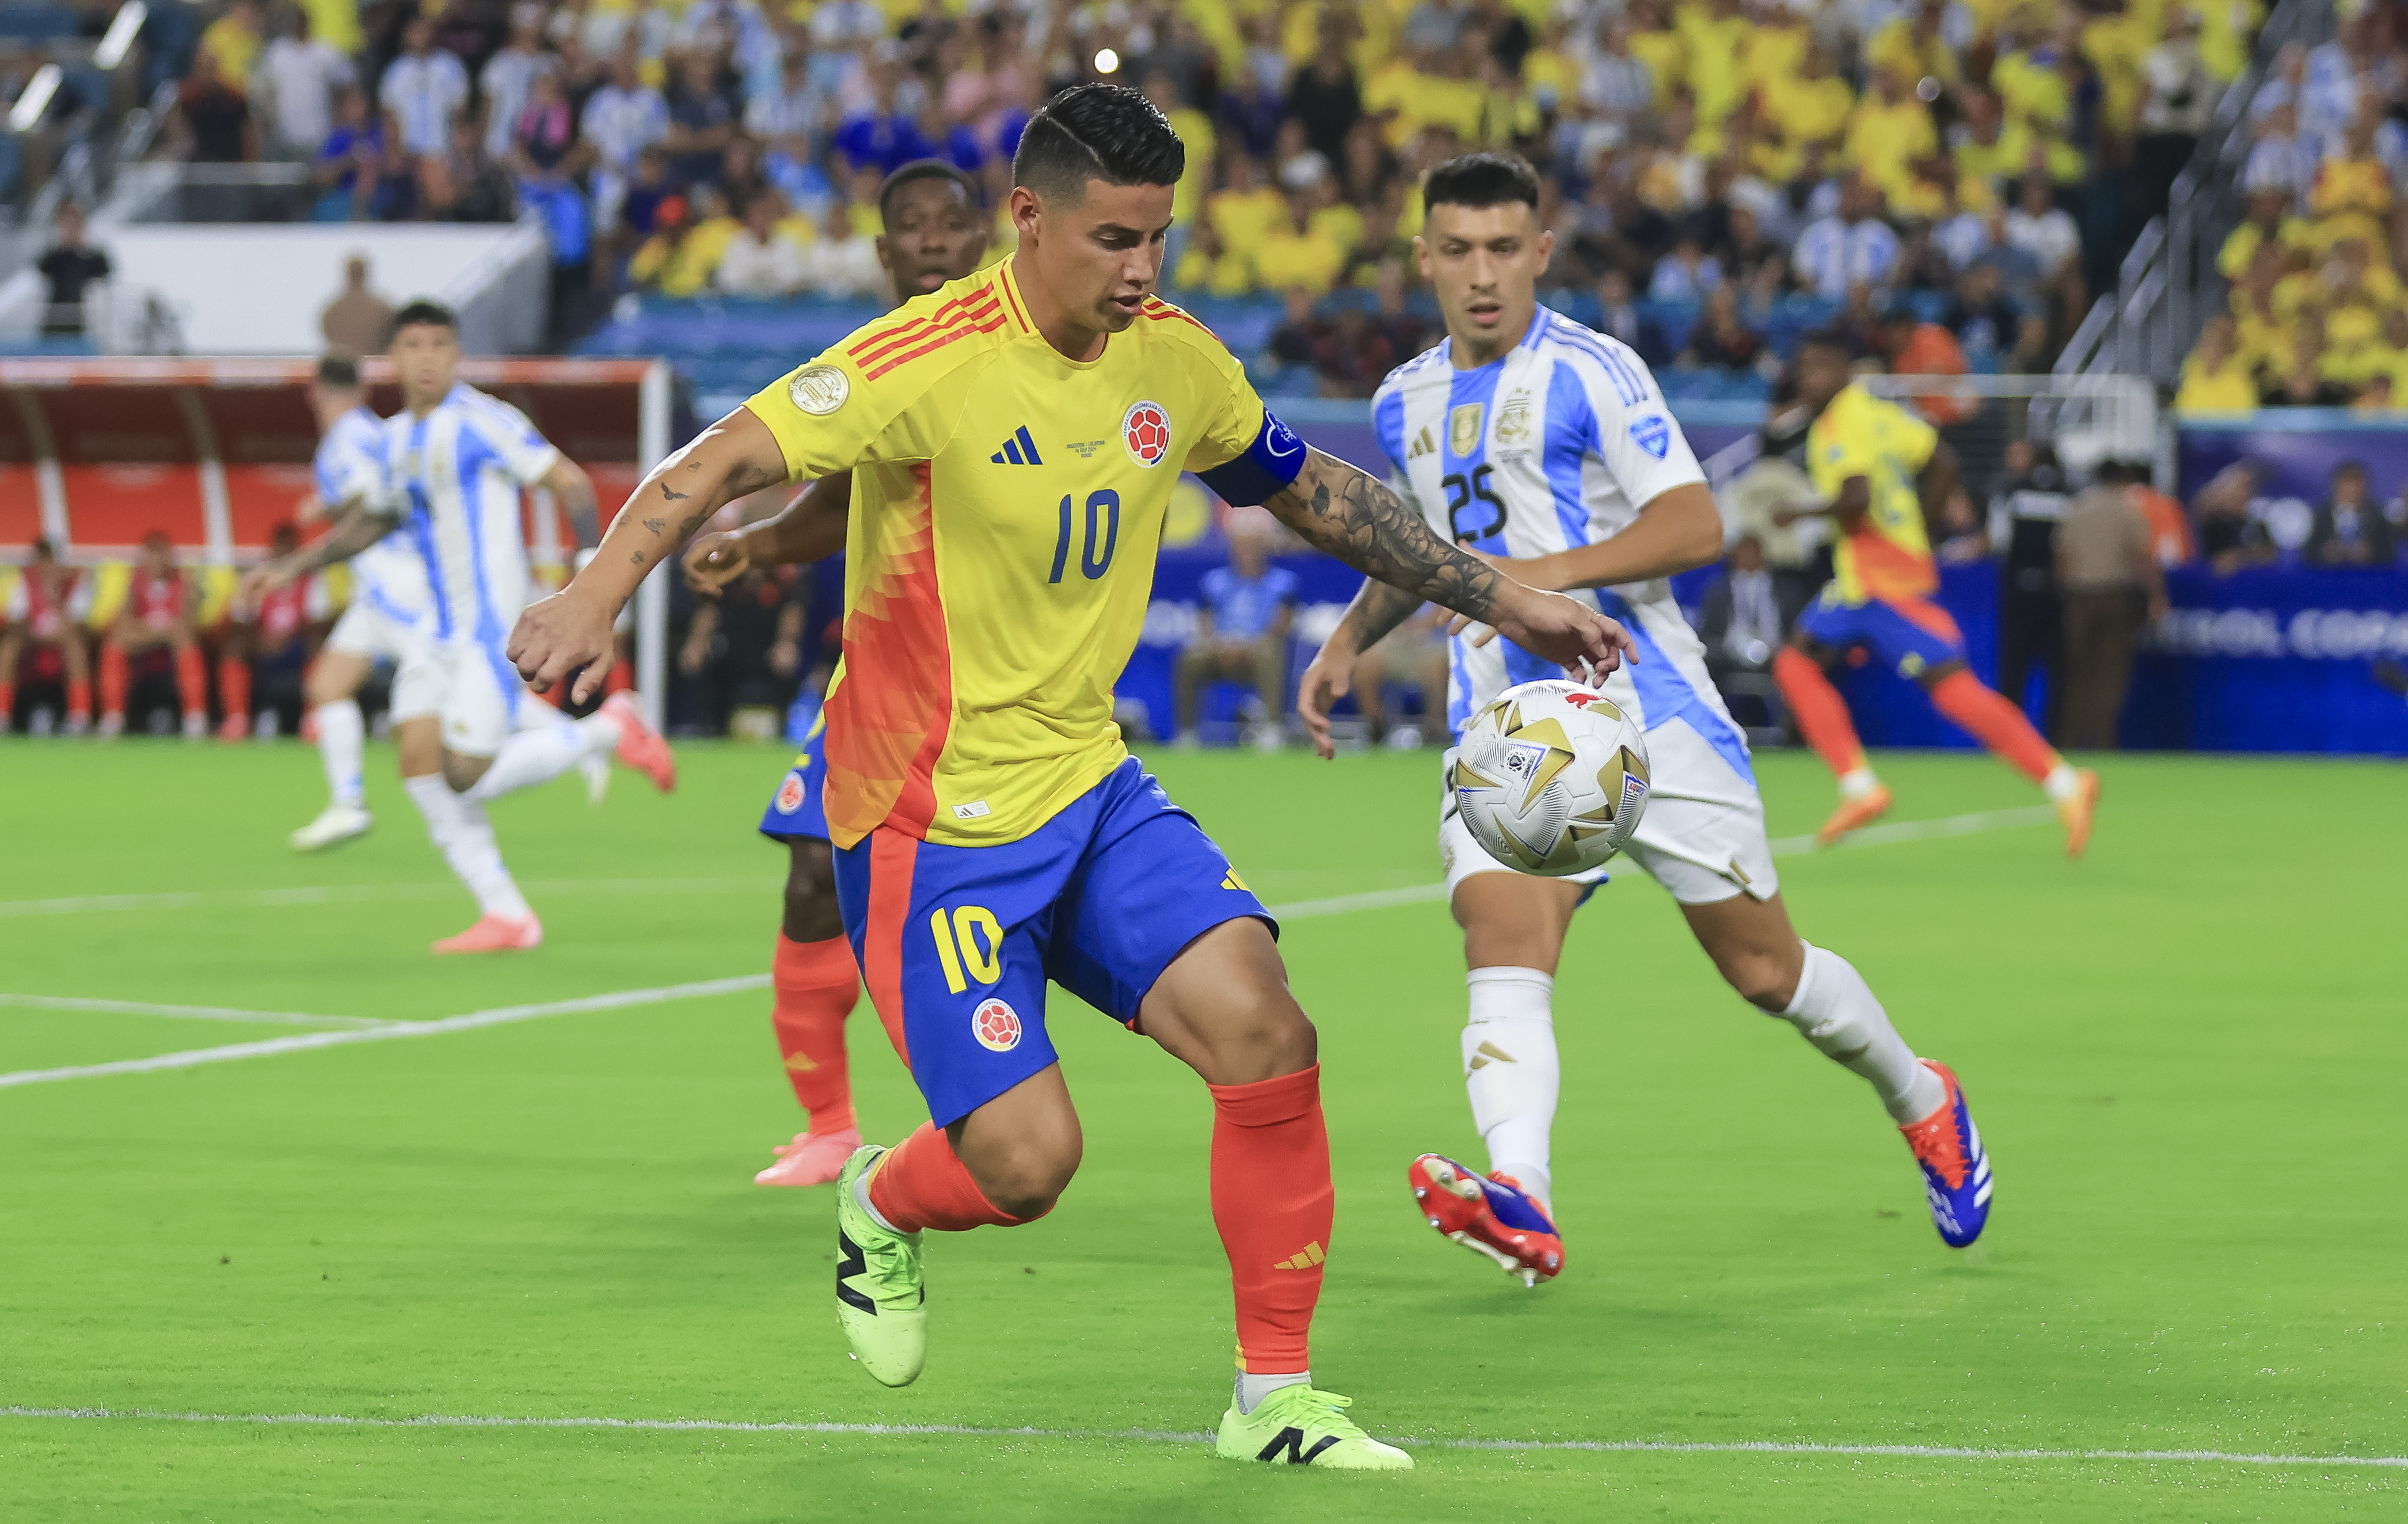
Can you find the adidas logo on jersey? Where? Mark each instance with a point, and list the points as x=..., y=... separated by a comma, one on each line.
x=1017, y=450
x=1423, y=445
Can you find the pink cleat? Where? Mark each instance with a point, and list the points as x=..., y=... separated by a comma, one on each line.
x=641, y=746
x=813, y=1159
x=497, y=934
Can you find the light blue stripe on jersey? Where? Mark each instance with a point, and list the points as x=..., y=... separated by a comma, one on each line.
x=1664, y=694
x=1388, y=423
x=1627, y=383
x=1572, y=435
x=471, y=457
x=422, y=534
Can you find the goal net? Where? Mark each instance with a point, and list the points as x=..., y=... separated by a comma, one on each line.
x=95, y=454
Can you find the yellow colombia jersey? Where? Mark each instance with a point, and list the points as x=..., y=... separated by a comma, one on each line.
x=1006, y=507
x=1858, y=434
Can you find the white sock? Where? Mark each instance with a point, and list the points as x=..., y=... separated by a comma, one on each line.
x=861, y=1199
x=1838, y=1013
x=1253, y=1386
x=341, y=735
x=1857, y=782
x=2060, y=783
x=466, y=837
x=1511, y=1070
x=543, y=753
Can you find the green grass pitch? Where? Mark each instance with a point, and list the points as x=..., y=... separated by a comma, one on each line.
x=2184, y=1052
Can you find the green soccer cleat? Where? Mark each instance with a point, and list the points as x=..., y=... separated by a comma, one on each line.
x=1305, y=1427
x=880, y=1295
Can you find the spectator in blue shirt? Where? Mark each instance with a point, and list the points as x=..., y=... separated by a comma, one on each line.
x=1241, y=630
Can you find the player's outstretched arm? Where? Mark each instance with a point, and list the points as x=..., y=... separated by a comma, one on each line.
x=1677, y=531
x=354, y=533
x=1377, y=609
x=810, y=528
x=571, y=629
x=1353, y=516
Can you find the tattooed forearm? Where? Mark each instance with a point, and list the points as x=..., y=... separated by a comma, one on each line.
x=1354, y=517
x=1377, y=609
x=656, y=525
x=673, y=494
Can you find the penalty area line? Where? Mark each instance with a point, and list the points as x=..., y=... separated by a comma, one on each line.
x=389, y=1031
x=1161, y=1436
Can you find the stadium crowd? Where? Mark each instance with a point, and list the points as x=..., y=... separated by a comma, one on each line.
x=2317, y=317
x=1722, y=173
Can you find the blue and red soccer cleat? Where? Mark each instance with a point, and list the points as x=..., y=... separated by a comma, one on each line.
x=1495, y=1217
x=1955, y=1168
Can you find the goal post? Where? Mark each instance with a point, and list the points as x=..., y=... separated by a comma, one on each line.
x=95, y=454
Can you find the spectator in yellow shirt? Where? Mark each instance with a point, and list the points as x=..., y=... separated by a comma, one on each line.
x=2351, y=196
x=1195, y=135
x=1889, y=131
x=1295, y=253
x=1654, y=44
x=2216, y=378
x=1774, y=49
x=2269, y=224
x=235, y=41
x=1242, y=214
x=1712, y=31
x=1912, y=46
x=1814, y=104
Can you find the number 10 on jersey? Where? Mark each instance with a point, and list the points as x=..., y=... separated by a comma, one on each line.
x=1103, y=531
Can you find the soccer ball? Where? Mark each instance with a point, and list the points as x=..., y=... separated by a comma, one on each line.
x=1551, y=777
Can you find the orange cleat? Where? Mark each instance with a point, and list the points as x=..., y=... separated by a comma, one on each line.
x=641, y=746
x=497, y=934
x=2077, y=811
x=1855, y=814
x=233, y=728
x=813, y=1159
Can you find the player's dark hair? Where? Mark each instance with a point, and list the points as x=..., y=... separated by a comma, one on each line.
x=1481, y=179
x=1107, y=133
x=423, y=313
x=1825, y=338
x=924, y=169
x=340, y=372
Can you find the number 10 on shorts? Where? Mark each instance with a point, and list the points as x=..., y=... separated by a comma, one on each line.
x=958, y=948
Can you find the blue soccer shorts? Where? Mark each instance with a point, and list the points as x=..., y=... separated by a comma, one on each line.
x=956, y=943
x=1909, y=636
x=796, y=809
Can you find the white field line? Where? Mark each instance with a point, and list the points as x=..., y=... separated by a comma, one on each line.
x=1879, y=836
x=383, y=1031
x=189, y=1013
x=1160, y=1436
x=77, y=904
x=1955, y=825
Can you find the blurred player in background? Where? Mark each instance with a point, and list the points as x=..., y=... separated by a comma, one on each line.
x=46, y=611
x=1882, y=473
x=1530, y=438
x=266, y=640
x=160, y=609
x=390, y=617
x=991, y=831
x=455, y=461
x=935, y=233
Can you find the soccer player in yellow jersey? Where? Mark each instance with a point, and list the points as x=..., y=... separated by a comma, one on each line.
x=1877, y=467
x=1014, y=439
x=935, y=233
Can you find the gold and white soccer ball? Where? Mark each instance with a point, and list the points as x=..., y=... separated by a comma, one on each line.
x=1551, y=777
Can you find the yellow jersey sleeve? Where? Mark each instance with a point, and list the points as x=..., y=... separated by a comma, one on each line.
x=891, y=390
x=1236, y=412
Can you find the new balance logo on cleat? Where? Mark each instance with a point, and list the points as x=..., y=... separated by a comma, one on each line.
x=1310, y=1257
x=1017, y=450
x=852, y=1264
x=1290, y=1439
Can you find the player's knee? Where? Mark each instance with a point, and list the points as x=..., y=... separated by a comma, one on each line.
x=460, y=774
x=1938, y=673
x=1763, y=976
x=812, y=912
x=1028, y=1178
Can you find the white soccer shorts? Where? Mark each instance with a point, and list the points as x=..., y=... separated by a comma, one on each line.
x=481, y=697
x=372, y=635
x=1702, y=837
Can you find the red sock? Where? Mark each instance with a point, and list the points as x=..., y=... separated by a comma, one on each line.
x=922, y=1184
x=7, y=700
x=1990, y=719
x=192, y=681
x=1272, y=1202
x=620, y=678
x=1821, y=714
x=79, y=698
x=234, y=687
x=816, y=986
x=112, y=680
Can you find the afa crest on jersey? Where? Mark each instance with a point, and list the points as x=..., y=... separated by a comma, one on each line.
x=1653, y=435
x=1146, y=428
x=997, y=1026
